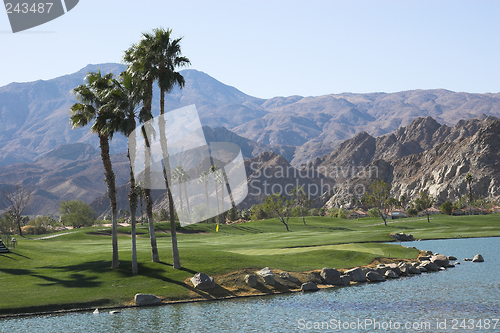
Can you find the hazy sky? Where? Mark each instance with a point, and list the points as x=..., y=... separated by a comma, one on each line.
x=279, y=48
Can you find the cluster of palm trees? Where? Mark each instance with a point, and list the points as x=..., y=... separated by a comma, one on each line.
x=116, y=104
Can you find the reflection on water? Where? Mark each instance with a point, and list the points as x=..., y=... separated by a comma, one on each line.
x=470, y=291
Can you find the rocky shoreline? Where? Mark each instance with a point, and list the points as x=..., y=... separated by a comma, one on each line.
x=254, y=282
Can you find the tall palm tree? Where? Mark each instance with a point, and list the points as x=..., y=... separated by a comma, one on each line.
x=91, y=108
x=177, y=177
x=140, y=193
x=126, y=99
x=140, y=68
x=156, y=57
x=469, y=179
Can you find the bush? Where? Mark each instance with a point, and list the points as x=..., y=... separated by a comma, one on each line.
x=34, y=230
x=412, y=212
x=447, y=208
x=373, y=212
x=316, y=212
x=76, y=213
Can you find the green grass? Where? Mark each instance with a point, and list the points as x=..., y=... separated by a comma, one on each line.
x=73, y=270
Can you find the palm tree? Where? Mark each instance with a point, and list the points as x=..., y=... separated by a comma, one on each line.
x=213, y=171
x=469, y=179
x=177, y=177
x=205, y=179
x=140, y=193
x=402, y=199
x=91, y=97
x=156, y=57
x=126, y=95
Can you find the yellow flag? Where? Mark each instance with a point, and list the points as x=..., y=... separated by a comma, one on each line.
x=217, y=228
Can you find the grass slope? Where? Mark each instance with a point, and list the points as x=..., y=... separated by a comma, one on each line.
x=73, y=270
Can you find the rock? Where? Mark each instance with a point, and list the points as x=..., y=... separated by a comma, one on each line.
x=391, y=274
x=442, y=268
x=422, y=269
x=330, y=276
x=413, y=270
x=450, y=265
x=402, y=237
x=381, y=269
x=457, y=263
x=478, y=258
x=146, y=299
x=251, y=280
x=203, y=281
x=429, y=252
x=395, y=268
x=430, y=266
x=345, y=280
x=309, y=286
x=267, y=275
x=374, y=277
x=467, y=259
x=440, y=260
x=114, y=312
x=289, y=277
x=356, y=274
x=403, y=267
x=366, y=270
x=452, y=258
x=424, y=258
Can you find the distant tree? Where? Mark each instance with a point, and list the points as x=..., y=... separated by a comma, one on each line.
x=8, y=221
x=402, y=199
x=391, y=202
x=423, y=201
x=232, y=214
x=163, y=214
x=469, y=180
x=301, y=200
x=205, y=179
x=280, y=206
x=16, y=201
x=379, y=191
x=447, y=207
x=76, y=213
x=412, y=211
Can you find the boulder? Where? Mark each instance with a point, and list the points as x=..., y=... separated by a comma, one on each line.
x=395, y=268
x=422, y=269
x=203, y=281
x=145, y=299
x=429, y=252
x=413, y=270
x=452, y=258
x=330, y=276
x=440, y=260
x=467, y=259
x=450, y=265
x=374, y=277
x=402, y=237
x=478, y=258
x=366, y=270
x=309, y=286
x=267, y=275
x=424, y=258
x=356, y=274
x=345, y=280
x=457, y=263
x=251, y=280
x=289, y=277
x=404, y=270
x=391, y=274
x=430, y=266
x=381, y=269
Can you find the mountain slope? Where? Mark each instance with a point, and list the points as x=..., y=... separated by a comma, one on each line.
x=440, y=171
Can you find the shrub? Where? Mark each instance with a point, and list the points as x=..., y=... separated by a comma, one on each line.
x=373, y=212
x=412, y=212
x=447, y=207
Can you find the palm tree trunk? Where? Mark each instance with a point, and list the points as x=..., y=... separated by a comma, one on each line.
x=110, y=181
x=149, y=199
x=206, y=194
x=166, y=164
x=132, y=199
x=133, y=208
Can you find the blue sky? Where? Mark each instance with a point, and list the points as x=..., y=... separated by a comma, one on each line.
x=279, y=48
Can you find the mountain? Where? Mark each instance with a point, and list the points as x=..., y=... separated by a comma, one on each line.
x=69, y=172
x=440, y=170
x=34, y=115
x=421, y=135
